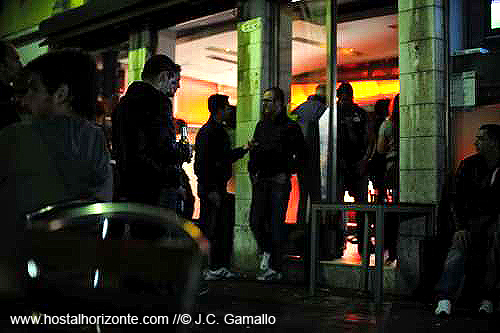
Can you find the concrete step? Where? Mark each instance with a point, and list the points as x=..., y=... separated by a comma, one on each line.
x=345, y=274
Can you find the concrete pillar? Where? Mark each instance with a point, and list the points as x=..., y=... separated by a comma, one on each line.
x=142, y=45
x=264, y=60
x=423, y=103
x=423, y=99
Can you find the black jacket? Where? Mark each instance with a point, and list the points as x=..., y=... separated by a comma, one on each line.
x=308, y=115
x=144, y=144
x=214, y=157
x=353, y=133
x=280, y=147
x=473, y=194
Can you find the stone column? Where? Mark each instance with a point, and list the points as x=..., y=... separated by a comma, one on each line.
x=422, y=45
x=142, y=45
x=259, y=34
x=422, y=101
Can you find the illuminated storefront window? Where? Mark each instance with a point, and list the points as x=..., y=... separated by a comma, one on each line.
x=209, y=64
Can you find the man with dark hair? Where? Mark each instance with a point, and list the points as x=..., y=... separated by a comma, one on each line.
x=277, y=151
x=158, y=64
x=61, y=95
x=308, y=115
x=144, y=141
x=213, y=167
x=353, y=143
x=10, y=66
x=83, y=92
x=475, y=248
x=353, y=154
x=56, y=156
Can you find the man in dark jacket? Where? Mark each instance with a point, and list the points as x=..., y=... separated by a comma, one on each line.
x=353, y=151
x=353, y=143
x=144, y=142
x=308, y=115
x=475, y=248
x=213, y=166
x=276, y=151
x=10, y=66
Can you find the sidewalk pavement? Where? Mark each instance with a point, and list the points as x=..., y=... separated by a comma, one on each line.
x=287, y=307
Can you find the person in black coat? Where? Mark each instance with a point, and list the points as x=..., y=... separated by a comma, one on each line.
x=474, y=253
x=144, y=141
x=213, y=167
x=308, y=115
x=277, y=150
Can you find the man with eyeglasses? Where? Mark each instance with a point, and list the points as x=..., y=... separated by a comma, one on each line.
x=277, y=150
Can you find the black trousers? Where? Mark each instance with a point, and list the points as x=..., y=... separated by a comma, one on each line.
x=217, y=223
x=267, y=216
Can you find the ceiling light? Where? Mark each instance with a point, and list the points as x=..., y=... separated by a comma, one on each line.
x=348, y=51
x=307, y=41
x=222, y=59
x=226, y=50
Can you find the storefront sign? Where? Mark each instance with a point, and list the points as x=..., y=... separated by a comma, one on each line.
x=463, y=89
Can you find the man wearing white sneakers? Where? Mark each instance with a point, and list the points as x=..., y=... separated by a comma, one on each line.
x=475, y=248
x=276, y=151
x=213, y=167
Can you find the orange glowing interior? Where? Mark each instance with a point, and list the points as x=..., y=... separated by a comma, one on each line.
x=365, y=93
x=191, y=100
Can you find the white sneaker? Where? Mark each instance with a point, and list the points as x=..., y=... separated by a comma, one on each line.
x=486, y=306
x=443, y=308
x=220, y=274
x=269, y=275
x=264, y=261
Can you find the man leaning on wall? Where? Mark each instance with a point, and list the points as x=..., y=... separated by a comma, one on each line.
x=474, y=254
x=277, y=150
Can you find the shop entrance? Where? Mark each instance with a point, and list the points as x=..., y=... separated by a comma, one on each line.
x=207, y=50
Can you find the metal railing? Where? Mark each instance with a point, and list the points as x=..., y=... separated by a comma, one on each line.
x=319, y=210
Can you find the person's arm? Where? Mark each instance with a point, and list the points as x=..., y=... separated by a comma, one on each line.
x=254, y=147
x=204, y=162
x=382, y=138
x=237, y=153
x=104, y=172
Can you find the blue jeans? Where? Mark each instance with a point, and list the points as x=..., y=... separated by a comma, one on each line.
x=454, y=270
x=478, y=257
x=267, y=215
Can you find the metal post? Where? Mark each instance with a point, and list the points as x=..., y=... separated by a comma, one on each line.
x=313, y=247
x=331, y=26
x=379, y=255
x=365, y=260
